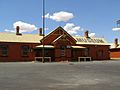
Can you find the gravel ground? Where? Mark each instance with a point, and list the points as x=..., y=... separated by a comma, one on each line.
x=94, y=75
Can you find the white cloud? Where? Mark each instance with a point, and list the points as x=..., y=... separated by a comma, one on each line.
x=60, y=16
x=7, y=30
x=24, y=27
x=71, y=28
x=116, y=29
x=91, y=34
x=47, y=15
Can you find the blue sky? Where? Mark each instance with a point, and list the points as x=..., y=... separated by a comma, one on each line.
x=96, y=16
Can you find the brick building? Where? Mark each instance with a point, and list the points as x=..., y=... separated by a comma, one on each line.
x=58, y=46
x=115, y=50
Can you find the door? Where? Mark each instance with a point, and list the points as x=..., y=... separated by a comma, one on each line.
x=63, y=52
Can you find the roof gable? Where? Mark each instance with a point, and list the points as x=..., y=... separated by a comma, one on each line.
x=63, y=38
x=57, y=33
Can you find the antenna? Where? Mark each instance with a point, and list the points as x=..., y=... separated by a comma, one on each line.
x=118, y=23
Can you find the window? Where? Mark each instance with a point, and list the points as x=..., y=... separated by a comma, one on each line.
x=85, y=40
x=89, y=40
x=47, y=53
x=96, y=40
x=92, y=40
x=101, y=41
x=100, y=53
x=25, y=50
x=86, y=52
x=4, y=50
x=79, y=40
x=63, y=50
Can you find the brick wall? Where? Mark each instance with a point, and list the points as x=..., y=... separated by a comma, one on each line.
x=15, y=53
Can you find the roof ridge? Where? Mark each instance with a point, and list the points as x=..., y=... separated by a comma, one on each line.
x=15, y=33
x=89, y=38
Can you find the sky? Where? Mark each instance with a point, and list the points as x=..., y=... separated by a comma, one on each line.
x=75, y=16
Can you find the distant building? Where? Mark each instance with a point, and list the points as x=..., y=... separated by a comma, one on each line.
x=115, y=50
x=58, y=46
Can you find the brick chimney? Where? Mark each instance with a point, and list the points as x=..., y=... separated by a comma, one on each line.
x=40, y=31
x=86, y=34
x=116, y=42
x=18, y=30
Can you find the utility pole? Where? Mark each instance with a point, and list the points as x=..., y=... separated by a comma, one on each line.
x=43, y=26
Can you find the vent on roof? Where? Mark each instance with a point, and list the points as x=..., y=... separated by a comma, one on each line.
x=116, y=42
x=18, y=30
x=86, y=34
x=40, y=32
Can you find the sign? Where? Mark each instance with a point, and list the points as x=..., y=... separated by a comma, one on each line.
x=68, y=46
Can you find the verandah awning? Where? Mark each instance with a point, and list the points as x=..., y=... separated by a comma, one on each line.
x=78, y=47
x=50, y=46
x=45, y=46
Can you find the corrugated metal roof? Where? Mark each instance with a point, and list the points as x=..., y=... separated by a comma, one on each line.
x=35, y=38
x=113, y=46
x=91, y=41
x=24, y=38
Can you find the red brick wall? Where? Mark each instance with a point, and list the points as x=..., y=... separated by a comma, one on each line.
x=14, y=52
x=94, y=49
x=58, y=45
x=115, y=53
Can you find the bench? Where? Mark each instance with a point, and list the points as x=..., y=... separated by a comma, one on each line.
x=84, y=59
x=41, y=59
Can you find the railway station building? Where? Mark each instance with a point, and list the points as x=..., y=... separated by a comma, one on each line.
x=57, y=46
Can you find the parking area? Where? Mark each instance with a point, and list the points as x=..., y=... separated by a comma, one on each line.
x=94, y=75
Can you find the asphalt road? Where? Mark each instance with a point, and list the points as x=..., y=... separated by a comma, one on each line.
x=103, y=75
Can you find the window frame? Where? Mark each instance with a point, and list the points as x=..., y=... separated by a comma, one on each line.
x=4, y=50
x=100, y=53
x=62, y=48
x=25, y=49
x=86, y=52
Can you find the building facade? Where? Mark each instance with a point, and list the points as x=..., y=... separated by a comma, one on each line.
x=55, y=47
x=115, y=50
